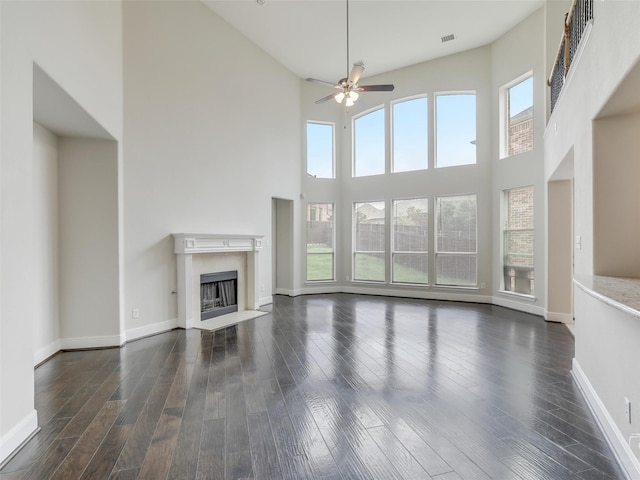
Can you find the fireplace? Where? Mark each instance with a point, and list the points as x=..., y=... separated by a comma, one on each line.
x=197, y=254
x=218, y=294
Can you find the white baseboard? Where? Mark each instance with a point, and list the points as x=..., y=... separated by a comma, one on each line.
x=619, y=445
x=18, y=435
x=460, y=296
x=287, y=291
x=316, y=289
x=524, y=306
x=43, y=353
x=153, y=329
x=92, y=342
x=266, y=300
x=558, y=317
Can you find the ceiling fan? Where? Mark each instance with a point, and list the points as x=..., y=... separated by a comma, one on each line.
x=348, y=88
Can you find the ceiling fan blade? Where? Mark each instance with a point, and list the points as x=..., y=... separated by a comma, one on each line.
x=375, y=88
x=324, y=99
x=356, y=72
x=315, y=80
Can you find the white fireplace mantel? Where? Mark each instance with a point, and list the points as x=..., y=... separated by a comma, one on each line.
x=188, y=244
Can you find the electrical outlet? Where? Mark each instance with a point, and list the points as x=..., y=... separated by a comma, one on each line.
x=627, y=409
x=135, y=313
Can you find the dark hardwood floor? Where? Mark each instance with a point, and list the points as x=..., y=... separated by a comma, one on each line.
x=324, y=387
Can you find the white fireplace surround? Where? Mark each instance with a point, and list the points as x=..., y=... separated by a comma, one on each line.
x=188, y=244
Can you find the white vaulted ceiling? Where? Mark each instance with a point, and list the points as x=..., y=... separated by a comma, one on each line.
x=308, y=37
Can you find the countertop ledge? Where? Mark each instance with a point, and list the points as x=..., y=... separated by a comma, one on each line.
x=619, y=292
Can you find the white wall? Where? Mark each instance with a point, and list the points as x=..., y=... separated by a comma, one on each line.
x=512, y=56
x=212, y=133
x=46, y=317
x=89, y=267
x=560, y=264
x=616, y=171
x=606, y=341
x=79, y=45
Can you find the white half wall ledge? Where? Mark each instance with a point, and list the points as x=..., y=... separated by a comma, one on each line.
x=188, y=244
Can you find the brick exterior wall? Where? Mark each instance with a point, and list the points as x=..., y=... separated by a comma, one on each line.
x=519, y=241
x=520, y=135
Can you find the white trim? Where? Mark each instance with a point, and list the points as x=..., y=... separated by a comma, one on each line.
x=153, y=329
x=518, y=305
x=288, y=291
x=520, y=296
x=315, y=289
x=45, y=352
x=92, y=342
x=566, y=318
x=423, y=294
x=20, y=434
x=627, y=460
x=266, y=300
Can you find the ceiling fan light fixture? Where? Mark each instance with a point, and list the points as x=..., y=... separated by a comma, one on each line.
x=348, y=87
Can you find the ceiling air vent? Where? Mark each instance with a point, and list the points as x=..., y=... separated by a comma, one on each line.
x=448, y=38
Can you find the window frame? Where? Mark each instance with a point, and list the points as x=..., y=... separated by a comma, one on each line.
x=333, y=148
x=504, y=120
x=436, y=232
x=392, y=105
x=356, y=252
x=385, y=131
x=435, y=126
x=503, y=243
x=333, y=247
x=393, y=250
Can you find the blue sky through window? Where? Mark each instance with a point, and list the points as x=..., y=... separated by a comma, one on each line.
x=320, y=150
x=369, y=144
x=455, y=130
x=410, y=143
x=521, y=97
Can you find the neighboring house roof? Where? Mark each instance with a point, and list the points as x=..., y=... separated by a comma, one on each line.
x=521, y=117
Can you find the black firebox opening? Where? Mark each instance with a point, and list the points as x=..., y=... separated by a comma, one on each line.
x=218, y=294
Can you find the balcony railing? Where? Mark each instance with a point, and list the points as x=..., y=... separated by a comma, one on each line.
x=575, y=21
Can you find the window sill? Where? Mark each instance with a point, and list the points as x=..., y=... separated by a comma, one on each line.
x=528, y=298
x=473, y=288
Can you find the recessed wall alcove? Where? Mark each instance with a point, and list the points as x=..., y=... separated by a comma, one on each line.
x=76, y=241
x=616, y=176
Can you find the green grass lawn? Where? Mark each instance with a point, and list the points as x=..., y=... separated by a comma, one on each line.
x=368, y=267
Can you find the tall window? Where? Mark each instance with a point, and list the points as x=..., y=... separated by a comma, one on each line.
x=410, y=241
x=517, y=124
x=369, y=144
x=518, y=240
x=410, y=141
x=368, y=257
x=455, y=129
x=320, y=240
x=456, y=244
x=320, y=150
